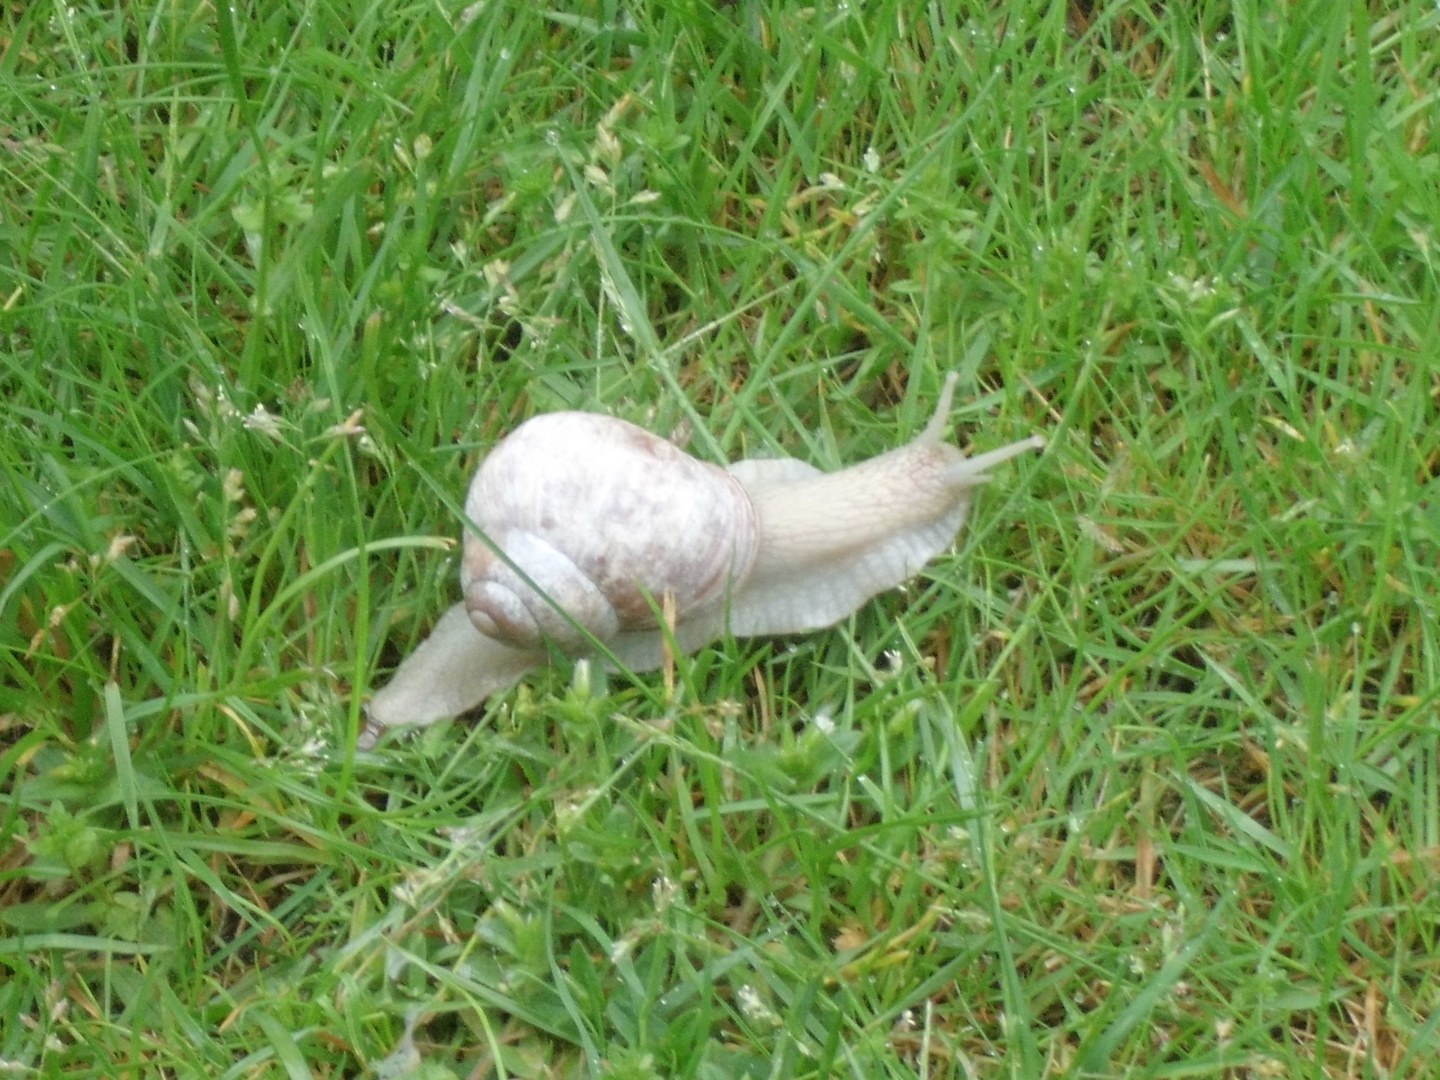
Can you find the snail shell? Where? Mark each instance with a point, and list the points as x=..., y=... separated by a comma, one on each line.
x=589, y=509
x=588, y=523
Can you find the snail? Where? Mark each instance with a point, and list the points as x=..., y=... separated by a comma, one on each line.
x=592, y=525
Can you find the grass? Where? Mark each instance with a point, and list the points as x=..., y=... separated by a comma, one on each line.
x=1141, y=781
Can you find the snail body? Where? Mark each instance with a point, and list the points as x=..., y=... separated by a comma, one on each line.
x=600, y=522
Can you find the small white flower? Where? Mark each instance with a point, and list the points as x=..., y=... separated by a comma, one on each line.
x=754, y=1009
x=233, y=486
x=664, y=893
x=622, y=947
x=264, y=421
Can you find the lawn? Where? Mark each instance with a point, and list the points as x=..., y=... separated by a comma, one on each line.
x=1141, y=779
